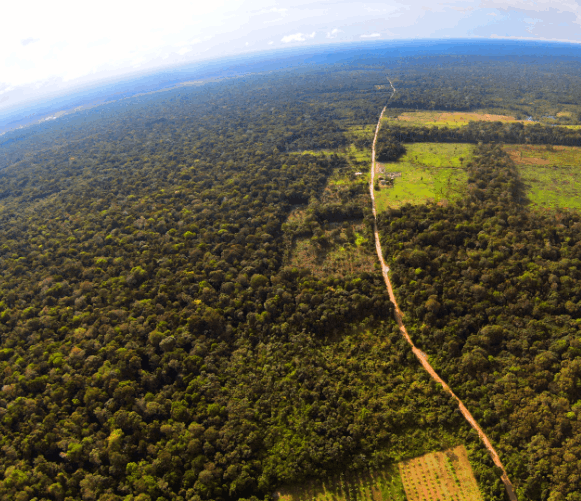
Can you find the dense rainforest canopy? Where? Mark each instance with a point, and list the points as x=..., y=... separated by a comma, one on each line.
x=156, y=344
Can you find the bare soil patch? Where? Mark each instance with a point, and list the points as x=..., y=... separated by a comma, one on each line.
x=487, y=117
x=518, y=158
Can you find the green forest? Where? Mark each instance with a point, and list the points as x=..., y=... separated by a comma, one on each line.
x=162, y=339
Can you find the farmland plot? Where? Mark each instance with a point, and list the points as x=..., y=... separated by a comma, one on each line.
x=552, y=175
x=440, y=476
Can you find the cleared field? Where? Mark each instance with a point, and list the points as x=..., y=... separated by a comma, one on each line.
x=343, y=258
x=429, y=172
x=453, y=119
x=440, y=476
x=552, y=175
x=381, y=485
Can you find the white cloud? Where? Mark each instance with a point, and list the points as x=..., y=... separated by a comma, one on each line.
x=569, y=6
x=45, y=43
x=29, y=40
x=508, y=37
x=276, y=10
x=297, y=37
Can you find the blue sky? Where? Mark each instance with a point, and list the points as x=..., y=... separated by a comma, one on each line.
x=57, y=45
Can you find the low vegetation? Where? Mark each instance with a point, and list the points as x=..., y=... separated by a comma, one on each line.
x=429, y=173
x=551, y=174
x=448, y=119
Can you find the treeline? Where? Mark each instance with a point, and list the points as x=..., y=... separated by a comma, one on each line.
x=518, y=85
x=289, y=110
x=492, y=291
x=485, y=132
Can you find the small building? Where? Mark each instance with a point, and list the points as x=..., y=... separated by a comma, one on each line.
x=392, y=175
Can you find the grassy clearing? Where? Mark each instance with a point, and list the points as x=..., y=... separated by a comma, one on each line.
x=345, y=257
x=429, y=172
x=552, y=175
x=374, y=485
x=358, y=159
x=440, y=475
x=345, y=251
x=362, y=131
x=453, y=119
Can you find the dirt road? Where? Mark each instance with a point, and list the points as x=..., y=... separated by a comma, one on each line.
x=419, y=354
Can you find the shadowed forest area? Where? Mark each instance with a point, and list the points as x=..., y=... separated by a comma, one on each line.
x=162, y=339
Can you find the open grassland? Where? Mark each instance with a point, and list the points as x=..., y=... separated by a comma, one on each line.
x=452, y=119
x=552, y=175
x=440, y=476
x=380, y=485
x=429, y=172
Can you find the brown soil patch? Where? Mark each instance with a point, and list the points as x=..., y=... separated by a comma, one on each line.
x=487, y=117
x=440, y=476
x=517, y=158
x=455, y=116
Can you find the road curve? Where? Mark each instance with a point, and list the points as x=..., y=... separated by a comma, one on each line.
x=399, y=315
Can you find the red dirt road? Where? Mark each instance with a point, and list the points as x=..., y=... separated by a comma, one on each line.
x=418, y=353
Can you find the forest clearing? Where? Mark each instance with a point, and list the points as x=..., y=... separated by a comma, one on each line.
x=451, y=119
x=550, y=173
x=346, y=255
x=429, y=172
x=440, y=475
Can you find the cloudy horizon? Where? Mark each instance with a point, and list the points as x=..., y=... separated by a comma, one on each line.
x=64, y=44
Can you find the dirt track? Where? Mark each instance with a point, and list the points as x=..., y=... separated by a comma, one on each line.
x=419, y=355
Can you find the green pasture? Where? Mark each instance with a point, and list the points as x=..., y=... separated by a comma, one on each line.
x=448, y=119
x=552, y=175
x=429, y=172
